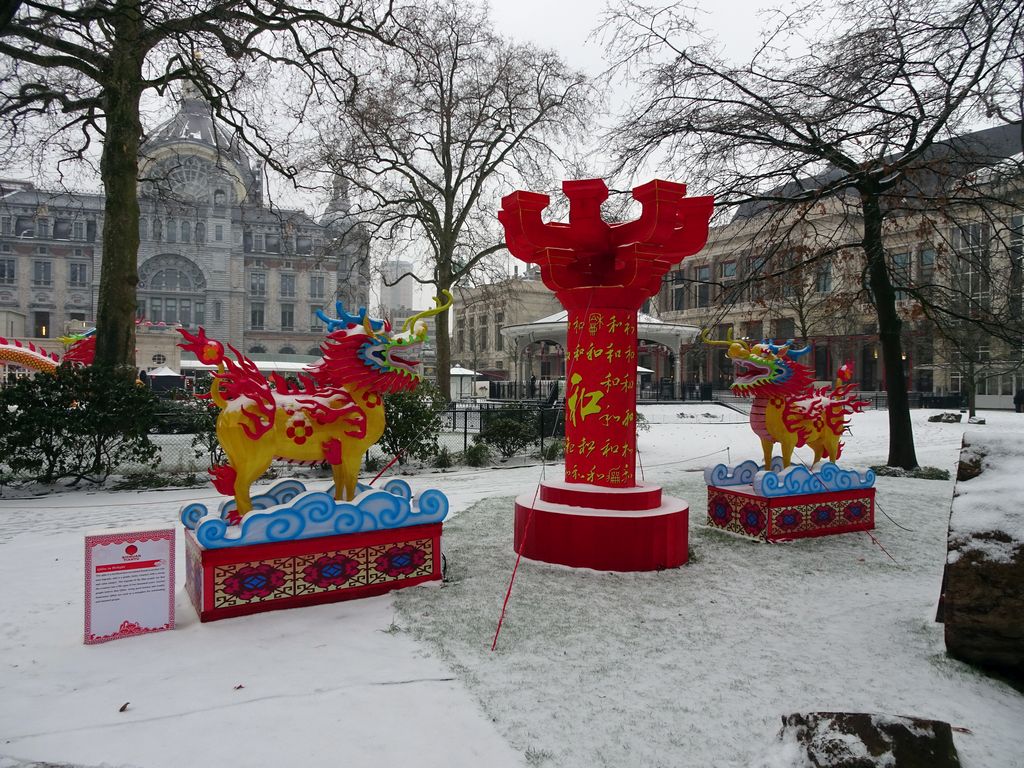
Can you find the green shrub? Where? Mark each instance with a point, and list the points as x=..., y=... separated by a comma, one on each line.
x=203, y=414
x=509, y=429
x=477, y=455
x=413, y=422
x=554, y=449
x=444, y=458
x=78, y=423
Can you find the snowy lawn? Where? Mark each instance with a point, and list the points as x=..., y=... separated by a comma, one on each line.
x=690, y=667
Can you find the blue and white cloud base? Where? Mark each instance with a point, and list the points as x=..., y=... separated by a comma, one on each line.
x=288, y=512
x=796, y=480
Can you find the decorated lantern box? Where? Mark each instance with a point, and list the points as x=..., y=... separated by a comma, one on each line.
x=778, y=500
x=784, y=505
x=290, y=546
x=302, y=547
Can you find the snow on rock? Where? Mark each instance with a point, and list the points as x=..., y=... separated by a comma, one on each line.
x=988, y=516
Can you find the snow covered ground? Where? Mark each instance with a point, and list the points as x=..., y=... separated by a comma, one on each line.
x=689, y=667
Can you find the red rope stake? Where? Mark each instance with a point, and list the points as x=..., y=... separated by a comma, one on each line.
x=389, y=466
x=512, y=578
x=877, y=544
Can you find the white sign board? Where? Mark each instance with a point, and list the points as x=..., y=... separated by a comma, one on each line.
x=129, y=583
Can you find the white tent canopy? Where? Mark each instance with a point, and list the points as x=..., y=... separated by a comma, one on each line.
x=458, y=370
x=161, y=371
x=555, y=327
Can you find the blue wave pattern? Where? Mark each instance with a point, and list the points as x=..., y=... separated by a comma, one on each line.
x=800, y=481
x=312, y=514
x=724, y=475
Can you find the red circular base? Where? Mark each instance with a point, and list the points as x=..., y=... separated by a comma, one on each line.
x=608, y=539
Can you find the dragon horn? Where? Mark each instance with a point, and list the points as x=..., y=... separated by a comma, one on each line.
x=727, y=342
x=439, y=307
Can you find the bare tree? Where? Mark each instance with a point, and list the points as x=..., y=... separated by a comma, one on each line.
x=75, y=72
x=441, y=129
x=859, y=116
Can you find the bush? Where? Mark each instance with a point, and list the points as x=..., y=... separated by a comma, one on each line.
x=78, y=423
x=203, y=413
x=553, y=450
x=444, y=459
x=918, y=473
x=413, y=422
x=477, y=455
x=509, y=430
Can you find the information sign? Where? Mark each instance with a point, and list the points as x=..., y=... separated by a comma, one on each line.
x=129, y=583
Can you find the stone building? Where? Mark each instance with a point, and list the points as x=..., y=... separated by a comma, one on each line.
x=824, y=304
x=212, y=252
x=479, y=314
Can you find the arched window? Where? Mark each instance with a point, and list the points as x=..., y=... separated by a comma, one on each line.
x=158, y=229
x=172, y=230
x=172, y=291
x=186, y=232
x=257, y=349
x=143, y=229
x=286, y=351
x=200, y=232
x=314, y=352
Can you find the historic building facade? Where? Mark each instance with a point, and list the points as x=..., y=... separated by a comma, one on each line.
x=212, y=252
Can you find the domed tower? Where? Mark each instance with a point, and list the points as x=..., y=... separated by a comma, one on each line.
x=195, y=178
x=348, y=242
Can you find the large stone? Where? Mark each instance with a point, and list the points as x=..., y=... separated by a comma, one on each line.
x=859, y=740
x=983, y=607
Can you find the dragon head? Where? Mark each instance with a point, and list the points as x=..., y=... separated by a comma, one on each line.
x=361, y=352
x=765, y=369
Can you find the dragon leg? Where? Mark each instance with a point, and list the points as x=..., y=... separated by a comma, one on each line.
x=249, y=471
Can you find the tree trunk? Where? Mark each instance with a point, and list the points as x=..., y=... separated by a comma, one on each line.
x=119, y=170
x=444, y=349
x=901, y=432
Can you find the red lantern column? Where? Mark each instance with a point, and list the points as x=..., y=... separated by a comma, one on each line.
x=600, y=517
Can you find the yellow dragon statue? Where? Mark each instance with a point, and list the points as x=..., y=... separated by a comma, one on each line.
x=786, y=408
x=333, y=414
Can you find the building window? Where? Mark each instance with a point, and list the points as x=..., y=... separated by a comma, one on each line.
x=258, y=283
x=186, y=232
x=288, y=285
x=315, y=323
x=971, y=244
x=200, y=232
x=43, y=228
x=159, y=359
x=78, y=274
x=317, y=286
x=823, y=278
x=41, y=325
x=257, y=241
x=216, y=311
x=158, y=229
x=42, y=274
x=482, y=341
x=5, y=225
x=256, y=316
x=143, y=229
x=272, y=242
x=79, y=316
x=7, y=271
x=728, y=269
x=901, y=274
x=303, y=244
x=703, y=277
x=287, y=317
x=499, y=340
x=926, y=266
x=172, y=231
x=78, y=230
x=62, y=229
x=784, y=329
x=679, y=298
x=286, y=350
x=218, y=232
x=25, y=226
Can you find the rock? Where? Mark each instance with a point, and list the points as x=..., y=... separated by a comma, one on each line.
x=859, y=740
x=975, y=420
x=983, y=606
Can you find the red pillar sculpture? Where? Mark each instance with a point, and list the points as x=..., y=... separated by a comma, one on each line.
x=600, y=517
